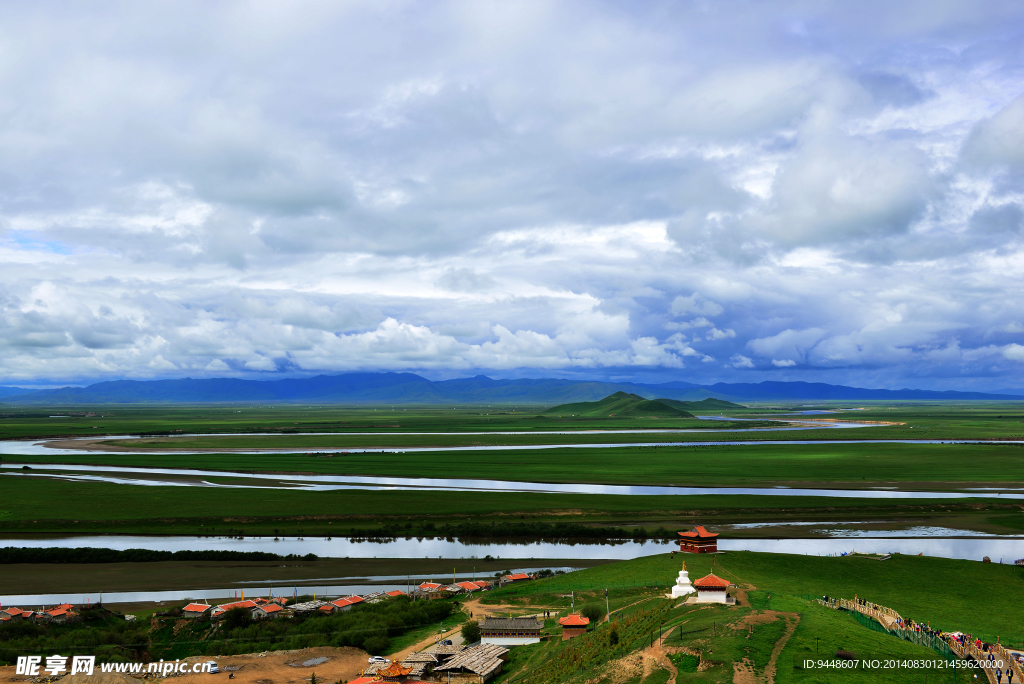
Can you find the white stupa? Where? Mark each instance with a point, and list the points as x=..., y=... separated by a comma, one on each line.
x=683, y=586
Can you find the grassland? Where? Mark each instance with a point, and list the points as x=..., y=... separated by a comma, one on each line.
x=43, y=505
x=46, y=505
x=775, y=600
x=941, y=591
x=44, y=578
x=936, y=467
x=918, y=420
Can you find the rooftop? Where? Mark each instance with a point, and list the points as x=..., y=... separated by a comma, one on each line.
x=698, y=532
x=574, y=620
x=711, y=581
x=483, y=659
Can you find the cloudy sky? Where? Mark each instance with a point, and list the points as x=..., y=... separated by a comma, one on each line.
x=702, y=191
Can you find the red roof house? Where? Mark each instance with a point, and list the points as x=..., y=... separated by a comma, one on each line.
x=270, y=610
x=573, y=625
x=194, y=610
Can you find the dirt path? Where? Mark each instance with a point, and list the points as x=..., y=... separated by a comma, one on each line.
x=792, y=620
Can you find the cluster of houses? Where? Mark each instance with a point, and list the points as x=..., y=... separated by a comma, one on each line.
x=475, y=664
x=56, y=615
x=275, y=607
x=470, y=665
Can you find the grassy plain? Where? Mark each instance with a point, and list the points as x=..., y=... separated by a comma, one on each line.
x=42, y=578
x=859, y=465
x=33, y=505
x=920, y=420
x=40, y=504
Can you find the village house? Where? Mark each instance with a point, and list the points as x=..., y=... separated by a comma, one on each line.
x=573, y=626
x=444, y=652
x=396, y=593
x=195, y=610
x=470, y=587
x=420, y=664
x=510, y=631
x=515, y=577
x=219, y=611
x=698, y=540
x=269, y=610
x=474, y=665
x=14, y=614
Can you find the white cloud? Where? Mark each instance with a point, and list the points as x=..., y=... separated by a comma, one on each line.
x=1014, y=352
x=695, y=304
x=740, y=361
x=215, y=188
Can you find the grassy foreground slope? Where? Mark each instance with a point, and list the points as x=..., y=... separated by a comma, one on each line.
x=942, y=591
x=775, y=627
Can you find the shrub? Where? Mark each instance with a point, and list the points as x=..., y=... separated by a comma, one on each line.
x=594, y=611
x=471, y=632
x=376, y=645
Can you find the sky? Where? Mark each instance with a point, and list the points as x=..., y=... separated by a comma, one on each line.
x=702, y=191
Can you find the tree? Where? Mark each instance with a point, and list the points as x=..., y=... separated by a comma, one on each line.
x=237, y=617
x=471, y=632
x=376, y=645
x=594, y=611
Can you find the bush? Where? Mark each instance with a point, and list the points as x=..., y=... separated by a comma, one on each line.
x=376, y=645
x=237, y=617
x=471, y=632
x=594, y=611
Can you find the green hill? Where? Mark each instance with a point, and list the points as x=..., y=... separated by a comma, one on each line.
x=709, y=404
x=621, y=405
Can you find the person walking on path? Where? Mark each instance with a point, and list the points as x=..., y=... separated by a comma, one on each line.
x=999, y=676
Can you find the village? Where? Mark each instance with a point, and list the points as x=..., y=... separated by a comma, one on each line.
x=449, y=659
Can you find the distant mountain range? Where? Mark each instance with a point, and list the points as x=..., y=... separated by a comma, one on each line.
x=383, y=388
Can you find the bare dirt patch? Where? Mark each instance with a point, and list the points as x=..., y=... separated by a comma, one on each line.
x=284, y=667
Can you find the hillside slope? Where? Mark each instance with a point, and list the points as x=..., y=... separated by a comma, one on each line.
x=620, y=405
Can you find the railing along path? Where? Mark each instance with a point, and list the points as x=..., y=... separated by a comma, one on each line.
x=894, y=622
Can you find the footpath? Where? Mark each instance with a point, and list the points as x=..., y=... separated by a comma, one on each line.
x=992, y=656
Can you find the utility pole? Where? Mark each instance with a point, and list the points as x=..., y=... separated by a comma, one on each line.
x=607, y=611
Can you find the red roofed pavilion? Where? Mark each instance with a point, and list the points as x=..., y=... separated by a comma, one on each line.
x=573, y=625
x=713, y=589
x=698, y=540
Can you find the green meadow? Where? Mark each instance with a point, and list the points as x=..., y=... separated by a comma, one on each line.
x=917, y=420
x=777, y=621
x=44, y=505
x=915, y=466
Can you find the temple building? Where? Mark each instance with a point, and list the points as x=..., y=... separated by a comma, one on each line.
x=713, y=589
x=510, y=631
x=698, y=540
